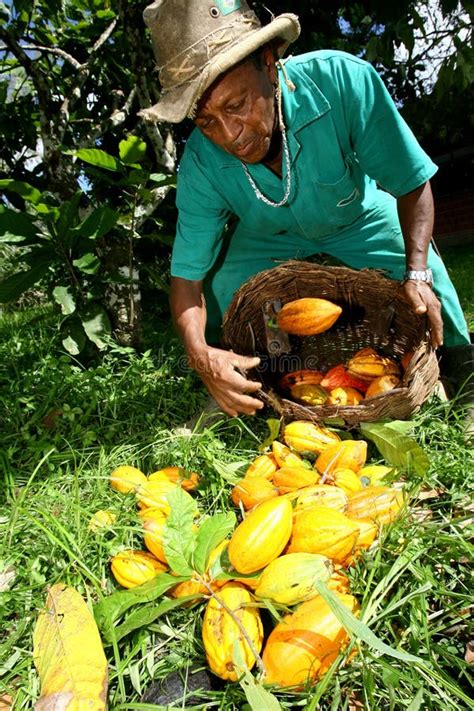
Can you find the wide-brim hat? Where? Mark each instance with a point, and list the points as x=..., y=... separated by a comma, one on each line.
x=195, y=41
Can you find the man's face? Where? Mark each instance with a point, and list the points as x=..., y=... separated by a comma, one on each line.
x=237, y=112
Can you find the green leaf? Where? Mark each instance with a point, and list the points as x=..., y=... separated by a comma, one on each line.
x=68, y=215
x=257, y=697
x=179, y=538
x=161, y=179
x=16, y=225
x=88, y=263
x=98, y=223
x=95, y=156
x=27, y=191
x=211, y=532
x=358, y=629
x=144, y=616
x=415, y=704
x=15, y=285
x=274, y=430
x=63, y=296
x=96, y=324
x=227, y=470
x=73, y=337
x=403, y=426
x=398, y=449
x=111, y=608
x=132, y=150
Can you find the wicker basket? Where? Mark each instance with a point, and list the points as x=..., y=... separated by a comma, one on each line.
x=375, y=313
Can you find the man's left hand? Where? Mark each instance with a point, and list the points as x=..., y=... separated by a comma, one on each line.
x=424, y=301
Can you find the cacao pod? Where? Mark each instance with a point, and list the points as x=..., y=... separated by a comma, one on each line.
x=347, y=480
x=302, y=647
x=220, y=632
x=177, y=475
x=261, y=536
x=285, y=457
x=308, y=316
x=263, y=466
x=153, y=537
x=132, y=568
x=126, y=479
x=319, y=529
x=338, y=582
x=293, y=478
x=153, y=494
x=310, y=394
x=252, y=491
x=298, y=377
x=101, y=520
x=339, y=377
x=321, y=495
x=373, y=474
x=367, y=364
x=368, y=531
x=344, y=396
x=348, y=454
x=308, y=437
x=382, y=385
x=379, y=503
x=290, y=578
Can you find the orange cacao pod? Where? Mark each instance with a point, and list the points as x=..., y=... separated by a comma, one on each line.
x=307, y=437
x=367, y=364
x=319, y=529
x=302, y=647
x=132, y=568
x=285, y=457
x=379, y=503
x=343, y=396
x=220, y=632
x=292, y=478
x=347, y=480
x=348, y=454
x=261, y=536
x=339, y=582
x=263, y=466
x=381, y=385
x=339, y=377
x=187, y=480
x=252, y=491
x=308, y=316
x=321, y=495
x=126, y=479
x=298, y=377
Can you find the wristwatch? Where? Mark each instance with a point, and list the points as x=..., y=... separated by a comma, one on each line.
x=425, y=275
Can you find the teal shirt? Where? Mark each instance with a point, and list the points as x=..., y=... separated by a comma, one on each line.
x=346, y=140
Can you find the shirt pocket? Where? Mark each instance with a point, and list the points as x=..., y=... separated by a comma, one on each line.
x=341, y=202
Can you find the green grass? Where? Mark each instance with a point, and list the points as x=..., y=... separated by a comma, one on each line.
x=65, y=427
x=459, y=262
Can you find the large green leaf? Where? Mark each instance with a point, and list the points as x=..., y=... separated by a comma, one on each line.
x=397, y=448
x=27, y=191
x=274, y=430
x=95, y=156
x=211, y=532
x=259, y=699
x=132, y=150
x=64, y=297
x=88, y=263
x=16, y=226
x=145, y=615
x=96, y=324
x=179, y=538
x=98, y=223
x=15, y=285
x=73, y=337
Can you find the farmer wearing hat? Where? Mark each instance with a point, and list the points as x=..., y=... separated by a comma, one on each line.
x=288, y=159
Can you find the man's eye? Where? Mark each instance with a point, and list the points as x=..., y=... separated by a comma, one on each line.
x=235, y=106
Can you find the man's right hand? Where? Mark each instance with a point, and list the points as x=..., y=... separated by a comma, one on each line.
x=218, y=371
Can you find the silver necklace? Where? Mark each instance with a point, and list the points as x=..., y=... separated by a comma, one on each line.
x=286, y=158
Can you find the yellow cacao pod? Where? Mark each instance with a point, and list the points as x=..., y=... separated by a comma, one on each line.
x=367, y=364
x=186, y=479
x=347, y=480
x=379, y=503
x=308, y=437
x=321, y=495
x=132, y=568
x=253, y=491
x=261, y=536
x=220, y=632
x=126, y=479
x=339, y=582
x=344, y=396
x=325, y=531
x=101, y=520
x=153, y=494
x=373, y=474
x=348, y=454
x=153, y=536
x=298, y=377
x=382, y=385
x=310, y=394
x=368, y=531
x=285, y=457
x=290, y=578
x=293, y=478
x=302, y=647
x=263, y=467
x=308, y=316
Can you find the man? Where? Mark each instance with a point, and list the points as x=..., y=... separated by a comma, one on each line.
x=288, y=160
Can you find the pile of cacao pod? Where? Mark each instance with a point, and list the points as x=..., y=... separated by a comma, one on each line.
x=365, y=375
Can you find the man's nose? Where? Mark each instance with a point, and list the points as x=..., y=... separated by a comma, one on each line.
x=231, y=130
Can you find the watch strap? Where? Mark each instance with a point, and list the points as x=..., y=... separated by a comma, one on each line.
x=425, y=275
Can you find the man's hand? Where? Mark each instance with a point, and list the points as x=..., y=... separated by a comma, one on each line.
x=424, y=301
x=217, y=370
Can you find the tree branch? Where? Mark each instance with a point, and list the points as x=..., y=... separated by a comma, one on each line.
x=53, y=50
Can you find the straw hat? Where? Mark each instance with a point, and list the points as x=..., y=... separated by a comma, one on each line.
x=195, y=41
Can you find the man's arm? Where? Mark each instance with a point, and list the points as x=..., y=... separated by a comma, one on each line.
x=215, y=367
x=416, y=215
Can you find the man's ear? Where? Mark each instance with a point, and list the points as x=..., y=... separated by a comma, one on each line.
x=269, y=59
